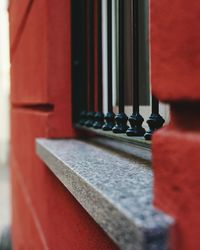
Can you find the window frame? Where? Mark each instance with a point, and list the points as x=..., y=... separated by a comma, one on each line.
x=80, y=86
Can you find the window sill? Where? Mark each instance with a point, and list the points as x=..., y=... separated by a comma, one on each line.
x=135, y=140
x=115, y=190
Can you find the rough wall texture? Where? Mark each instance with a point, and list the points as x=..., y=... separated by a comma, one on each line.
x=40, y=62
x=175, y=60
x=45, y=215
x=175, y=50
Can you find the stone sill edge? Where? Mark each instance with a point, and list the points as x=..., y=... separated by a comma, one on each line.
x=120, y=227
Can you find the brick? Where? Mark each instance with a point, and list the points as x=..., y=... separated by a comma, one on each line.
x=64, y=222
x=177, y=175
x=18, y=11
x=28, y=64
x=40, y=68
x=175, y=50
x=41, y=65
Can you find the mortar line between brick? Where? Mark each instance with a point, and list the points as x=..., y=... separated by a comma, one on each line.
x=36, y=107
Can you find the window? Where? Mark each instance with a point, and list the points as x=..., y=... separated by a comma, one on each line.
x=110, y=68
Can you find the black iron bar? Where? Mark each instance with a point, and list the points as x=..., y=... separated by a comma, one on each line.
x=90, y=62
x=121, y=118
x=136, y=119
x=79, y=49
x=109, y=117
x=99, y=116
x=155, y=105
x=100, y=73
x=155, y=120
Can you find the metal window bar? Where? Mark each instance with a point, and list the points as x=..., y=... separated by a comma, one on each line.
x=110, y=116
x=90, y=61
x=111, y=122
x=121, y=118
x=155, y=120
x=78, y=60
x=99, y=116
x=135, y=119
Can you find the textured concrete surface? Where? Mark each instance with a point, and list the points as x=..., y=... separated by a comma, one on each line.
x=4, y=198
x=115, y=190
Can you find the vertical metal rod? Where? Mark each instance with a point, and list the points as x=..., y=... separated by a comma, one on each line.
x=90, y=62
x=91, y=49
x=121, y=56
x=121, y=118
x=135, y=56
x=109, y=118
x=109, y=14
x=100, y=83
x=81, y=38
x=135, y=119
x=99, y=116
x=155, y=120
x=155, y=105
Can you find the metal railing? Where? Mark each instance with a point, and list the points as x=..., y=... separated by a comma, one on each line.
x=87, y=32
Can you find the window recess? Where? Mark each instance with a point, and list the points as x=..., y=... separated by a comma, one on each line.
x=110, y=70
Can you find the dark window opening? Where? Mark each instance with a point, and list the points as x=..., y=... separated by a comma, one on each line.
x=112, y=35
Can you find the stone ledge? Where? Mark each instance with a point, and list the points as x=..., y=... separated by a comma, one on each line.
x=116, y=191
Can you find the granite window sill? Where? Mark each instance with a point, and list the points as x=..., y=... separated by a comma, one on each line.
x=115, y=190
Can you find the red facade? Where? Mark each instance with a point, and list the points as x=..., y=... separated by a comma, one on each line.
x=44, y=214
x=175, y=79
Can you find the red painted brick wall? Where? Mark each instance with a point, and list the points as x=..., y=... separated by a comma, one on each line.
x=44, y=214
x=175, y=61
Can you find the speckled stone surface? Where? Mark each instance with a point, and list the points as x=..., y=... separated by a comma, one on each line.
x=115, y=190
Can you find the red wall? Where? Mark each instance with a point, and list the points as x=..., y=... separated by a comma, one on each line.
x=44, y=214
x=175, y=76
